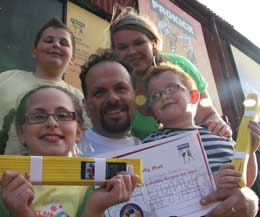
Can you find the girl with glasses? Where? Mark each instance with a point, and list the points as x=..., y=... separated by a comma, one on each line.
x=48, y=123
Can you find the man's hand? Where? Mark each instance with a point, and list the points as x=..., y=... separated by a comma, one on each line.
x=236, y=202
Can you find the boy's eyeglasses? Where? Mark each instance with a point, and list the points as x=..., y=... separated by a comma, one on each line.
x=155, y=97
x=38, y=118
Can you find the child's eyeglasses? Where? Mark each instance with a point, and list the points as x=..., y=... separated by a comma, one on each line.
x=155, y=96
x=38, y=118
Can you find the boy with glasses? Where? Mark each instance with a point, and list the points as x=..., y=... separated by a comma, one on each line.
x=173, y=99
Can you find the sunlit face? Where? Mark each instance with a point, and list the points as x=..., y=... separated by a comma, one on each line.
x=135, y=47
x=53, y=53
x=171, y=108
x=51, y=137
x=110, y=101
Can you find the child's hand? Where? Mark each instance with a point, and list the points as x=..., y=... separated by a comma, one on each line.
x=17, y=194
x=219, y=127
x=227, y=177
x=117, y=190
x=255, y=133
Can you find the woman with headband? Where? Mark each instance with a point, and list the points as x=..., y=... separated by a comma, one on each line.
x=136, y=39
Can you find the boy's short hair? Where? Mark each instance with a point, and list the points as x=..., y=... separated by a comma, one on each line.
x=155, y=71
x=55, y=23
x=103, y=55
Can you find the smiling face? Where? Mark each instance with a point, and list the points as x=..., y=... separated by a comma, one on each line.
x=51, y=137
x=110, y=101
x=53, y=53
x=172, y=109
x=136, y=48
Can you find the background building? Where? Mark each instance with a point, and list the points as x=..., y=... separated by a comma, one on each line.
x=229, y=62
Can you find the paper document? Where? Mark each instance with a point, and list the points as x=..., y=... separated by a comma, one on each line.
x=176, y=176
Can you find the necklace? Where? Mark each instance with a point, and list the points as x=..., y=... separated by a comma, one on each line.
x=140, y=99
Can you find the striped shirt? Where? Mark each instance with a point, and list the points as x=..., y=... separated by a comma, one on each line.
x=219, y=149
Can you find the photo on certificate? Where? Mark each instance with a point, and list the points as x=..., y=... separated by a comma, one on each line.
x=176, y=177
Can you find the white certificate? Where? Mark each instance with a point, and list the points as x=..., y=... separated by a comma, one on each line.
x=176, y=176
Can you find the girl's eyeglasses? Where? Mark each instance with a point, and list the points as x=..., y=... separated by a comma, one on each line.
x=38, y=118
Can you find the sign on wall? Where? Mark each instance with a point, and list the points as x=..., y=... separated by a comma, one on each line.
x=89, y=31
x=182, y=34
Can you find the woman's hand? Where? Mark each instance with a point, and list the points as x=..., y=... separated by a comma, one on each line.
x=254, y=126
x=219, y=127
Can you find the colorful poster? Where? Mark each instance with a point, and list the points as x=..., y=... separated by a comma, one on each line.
x=248, y=72
x=182, y=34
x=90, y=32
x=176, y=176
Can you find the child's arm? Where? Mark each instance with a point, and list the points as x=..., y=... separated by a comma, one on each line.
x=252, y=162
x=117, y=190
x=251, y=172
x=227, y=177
x=17, y=194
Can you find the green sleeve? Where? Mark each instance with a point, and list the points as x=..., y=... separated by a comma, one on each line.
x=85, y=201
x=189, y=68
x=143, y=125
x=3, y=211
